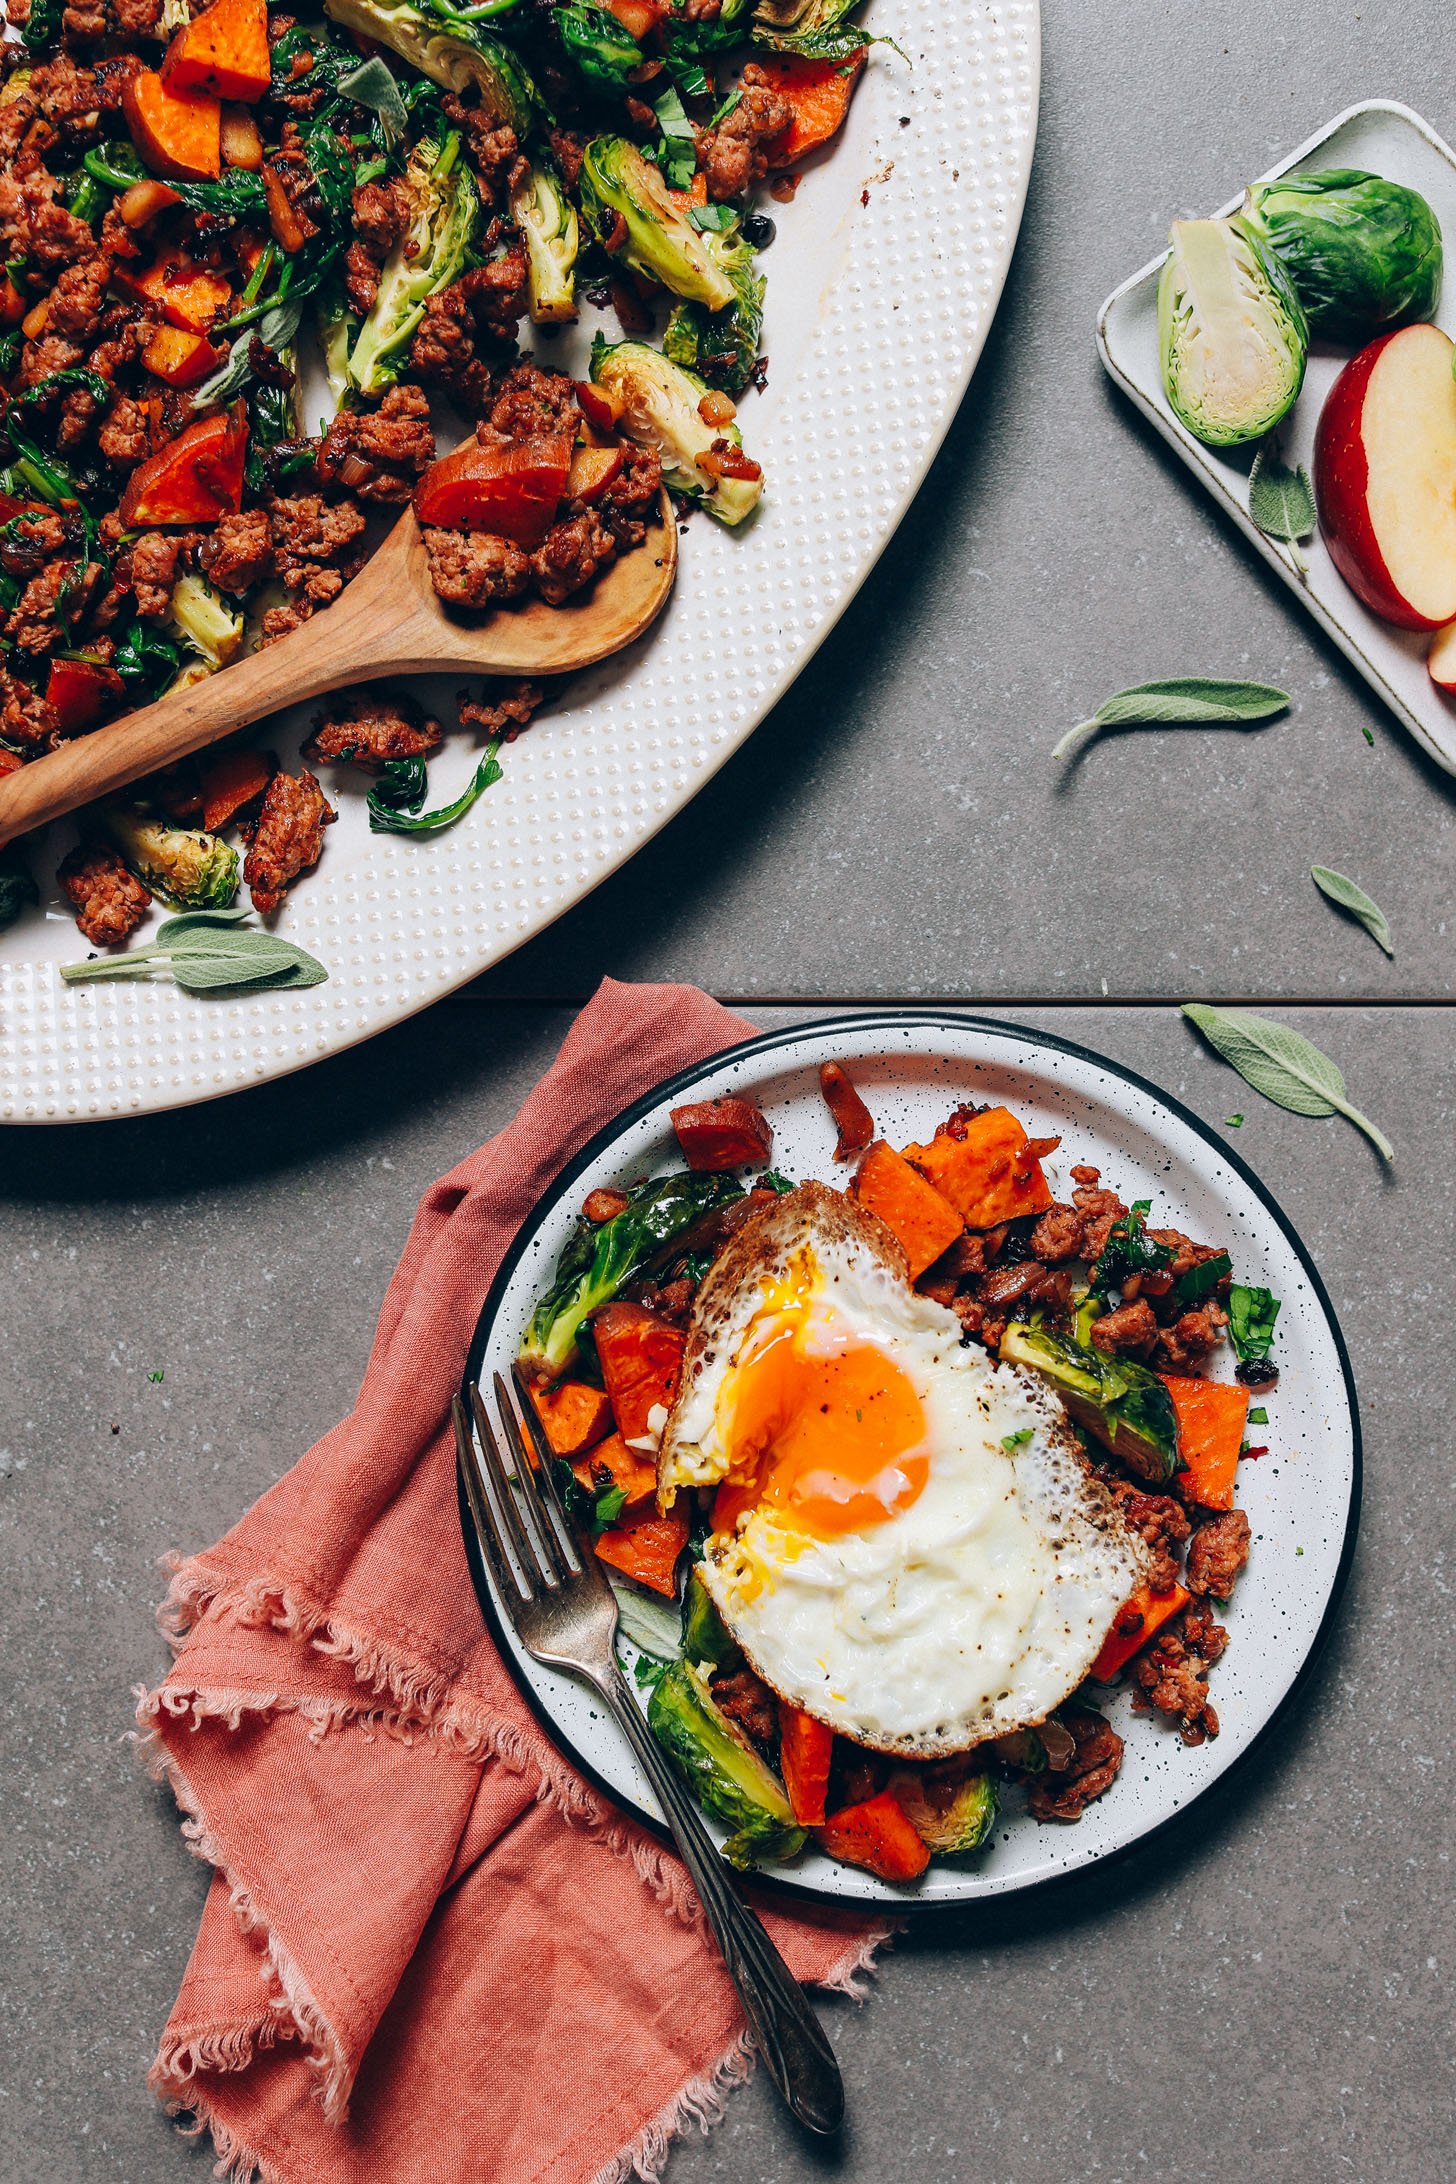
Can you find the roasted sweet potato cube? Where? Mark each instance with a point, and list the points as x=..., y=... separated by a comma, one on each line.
x=224, y=51
x=925, y=1223
x=178, y=133
x=989, y=1170
x=574, y=1416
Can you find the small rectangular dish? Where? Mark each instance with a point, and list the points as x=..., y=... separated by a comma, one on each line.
x=1389, y=140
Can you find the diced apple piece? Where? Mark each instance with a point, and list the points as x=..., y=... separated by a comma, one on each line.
x=592, y=471
x=242, y=146
x=179, y=358
x=1385, y=477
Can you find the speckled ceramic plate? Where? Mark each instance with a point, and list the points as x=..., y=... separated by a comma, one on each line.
x=1389, y=140
x=882, y=284
x=1302, y=1498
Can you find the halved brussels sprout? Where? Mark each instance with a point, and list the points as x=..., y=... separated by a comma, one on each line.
x=1231, y=330
x=721, y=346
x=816, y=27
x=1364, y=254
x=547, y=219
x=1121, y=1402
x=456, y=54
x=203, y=617
x=660, y=409
x=187, y=868
x=660, y=240
x=951, y=1809
x=603, y=53
x=727, y=1778
x=446, y=203
x=706, y=1641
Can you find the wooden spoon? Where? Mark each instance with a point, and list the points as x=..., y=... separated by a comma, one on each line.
x=388, y=621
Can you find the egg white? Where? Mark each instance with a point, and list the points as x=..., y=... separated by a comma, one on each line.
x=973, y=1611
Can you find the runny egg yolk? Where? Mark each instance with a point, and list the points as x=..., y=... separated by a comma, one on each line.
x=823, y=1428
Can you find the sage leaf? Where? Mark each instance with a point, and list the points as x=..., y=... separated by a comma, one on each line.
x=1281, y=501
x=1356, y=901
x=1282, y=1064
x=1184, y=700
x=210, y=951
x=373, y=86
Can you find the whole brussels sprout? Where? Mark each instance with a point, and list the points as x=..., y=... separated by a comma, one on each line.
x=1231, y=332
x=1364, y=254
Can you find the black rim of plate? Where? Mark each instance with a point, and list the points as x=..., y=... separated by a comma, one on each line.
x=776, y=1881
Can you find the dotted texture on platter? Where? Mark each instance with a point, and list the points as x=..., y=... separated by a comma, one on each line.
x=913, y=279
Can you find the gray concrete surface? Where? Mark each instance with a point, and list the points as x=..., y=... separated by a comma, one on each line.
x=1267, y=1989
x=1266, y=1992
x=896, y=826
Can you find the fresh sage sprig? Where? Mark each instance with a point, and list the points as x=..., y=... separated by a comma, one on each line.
x=1184, y=700
x=372, y=85
x=1283, y=1065
x=210, y=951
x=1356, y=901
x=394, y=802
x=1281, y=502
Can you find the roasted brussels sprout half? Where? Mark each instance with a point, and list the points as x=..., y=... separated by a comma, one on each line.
x=429, y=257
x=204, y=619
x=451, y=51
x=598, y=1258
x=1364, y=254
x=618, y=183
x=191, y=870
x=1231, y=331
x=817, y=27
x=1122, y=1403
x=602, y=52
x=705, y=1637
x=952, y=1810
x=547, y=219
x=721, y=346
x=728, y=1779
x=660, y=409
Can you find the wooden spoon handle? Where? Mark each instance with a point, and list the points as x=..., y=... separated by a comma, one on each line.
x=300, y=665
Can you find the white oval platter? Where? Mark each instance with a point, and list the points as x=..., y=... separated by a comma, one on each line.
x=882, y=284
x=1302, y=1498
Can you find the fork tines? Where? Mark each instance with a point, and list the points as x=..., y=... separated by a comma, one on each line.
x=525, y=1534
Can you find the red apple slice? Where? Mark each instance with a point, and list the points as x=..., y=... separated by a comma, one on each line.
x=592, y=471
x=1441, y=659
x=1385, y=477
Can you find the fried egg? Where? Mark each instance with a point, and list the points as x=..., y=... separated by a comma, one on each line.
x=908, y=1541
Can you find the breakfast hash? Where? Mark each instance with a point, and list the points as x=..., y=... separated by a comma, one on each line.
x=217, y=219
x=894, y=1479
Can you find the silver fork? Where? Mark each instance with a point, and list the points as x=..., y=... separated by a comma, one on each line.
x=552, y=1589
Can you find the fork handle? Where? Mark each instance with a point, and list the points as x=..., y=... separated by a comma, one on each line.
x=790, y=2038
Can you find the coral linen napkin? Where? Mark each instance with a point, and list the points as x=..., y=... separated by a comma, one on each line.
x=429, y=1954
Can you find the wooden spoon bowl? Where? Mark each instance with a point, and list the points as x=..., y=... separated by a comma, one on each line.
x=388, y=621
